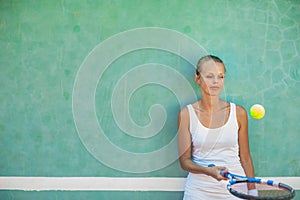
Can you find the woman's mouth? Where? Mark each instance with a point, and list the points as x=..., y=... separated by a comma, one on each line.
x=214, y=87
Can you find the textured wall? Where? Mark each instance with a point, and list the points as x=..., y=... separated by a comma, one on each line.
x=46, y=45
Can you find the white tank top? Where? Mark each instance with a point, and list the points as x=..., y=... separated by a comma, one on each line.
x=218, y=146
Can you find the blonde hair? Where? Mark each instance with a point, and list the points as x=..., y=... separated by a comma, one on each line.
x=205, y=59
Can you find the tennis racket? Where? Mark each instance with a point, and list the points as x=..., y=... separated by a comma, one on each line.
x=261, y=189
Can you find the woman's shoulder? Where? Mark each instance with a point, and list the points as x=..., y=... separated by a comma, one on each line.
x=186, y=108
x=240, y=111
x=184, y=111
x=184, y=116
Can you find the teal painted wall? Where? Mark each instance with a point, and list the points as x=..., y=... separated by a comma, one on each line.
x=44, y=43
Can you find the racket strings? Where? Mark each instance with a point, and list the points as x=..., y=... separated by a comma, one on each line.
x=263, y=190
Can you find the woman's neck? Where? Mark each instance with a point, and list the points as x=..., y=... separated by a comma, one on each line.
x=210, y=104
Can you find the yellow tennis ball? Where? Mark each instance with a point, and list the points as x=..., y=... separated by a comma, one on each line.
x=257, y=111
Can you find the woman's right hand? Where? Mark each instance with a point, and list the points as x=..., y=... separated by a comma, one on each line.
x=215, y=172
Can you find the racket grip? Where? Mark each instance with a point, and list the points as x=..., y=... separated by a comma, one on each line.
x=224, y=173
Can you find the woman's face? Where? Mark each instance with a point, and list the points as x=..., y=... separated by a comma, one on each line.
x=211, y=78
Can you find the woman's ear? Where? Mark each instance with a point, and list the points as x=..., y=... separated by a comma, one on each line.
x=197, y=78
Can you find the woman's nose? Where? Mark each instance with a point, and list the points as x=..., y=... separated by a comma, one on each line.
x=215, y=80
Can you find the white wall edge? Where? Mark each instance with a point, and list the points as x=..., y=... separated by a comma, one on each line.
x=108, y=183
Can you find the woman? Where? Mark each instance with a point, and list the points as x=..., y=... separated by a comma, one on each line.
x=212, y=131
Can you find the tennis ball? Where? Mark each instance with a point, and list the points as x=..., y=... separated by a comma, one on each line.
x=257, y=111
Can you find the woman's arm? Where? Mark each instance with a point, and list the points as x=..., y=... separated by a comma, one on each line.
x=184, y=150
x=243, y=140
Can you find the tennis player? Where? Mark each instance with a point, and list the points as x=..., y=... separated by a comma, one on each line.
x=212, y=131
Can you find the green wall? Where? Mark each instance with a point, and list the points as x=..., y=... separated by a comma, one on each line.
x=44, y=45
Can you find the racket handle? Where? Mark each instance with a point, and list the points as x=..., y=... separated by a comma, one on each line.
x=224, y=173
